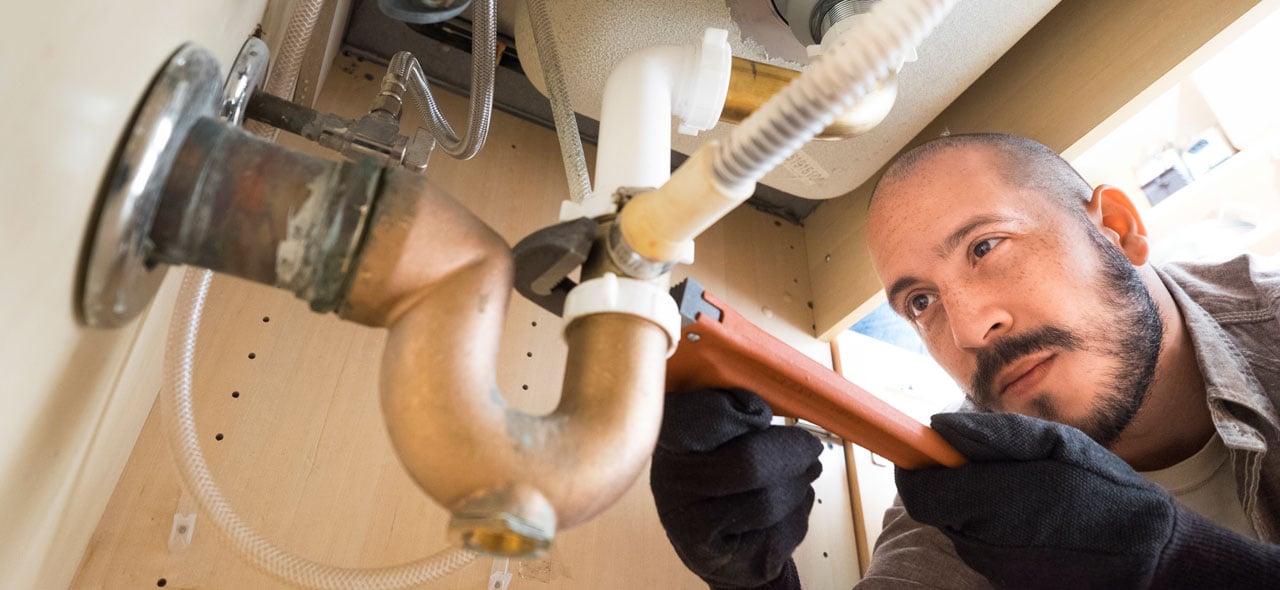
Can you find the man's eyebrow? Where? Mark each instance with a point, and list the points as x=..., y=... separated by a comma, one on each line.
x=942, y=250
x=898, y=287
x=953, y=240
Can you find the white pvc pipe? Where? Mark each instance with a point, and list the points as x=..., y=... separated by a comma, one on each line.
x=641, y=95
x=635, y=119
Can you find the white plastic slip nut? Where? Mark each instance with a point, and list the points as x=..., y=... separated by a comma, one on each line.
x=702, y=96
x=611, y=294
x=499, y=577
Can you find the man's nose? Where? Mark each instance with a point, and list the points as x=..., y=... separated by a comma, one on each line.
x=977, y=319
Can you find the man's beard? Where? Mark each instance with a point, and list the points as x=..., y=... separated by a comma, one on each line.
x=1130, y=332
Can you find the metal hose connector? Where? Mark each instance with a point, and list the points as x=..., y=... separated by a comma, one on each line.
x=863, y=57
x=575, y=163
x=483, y=62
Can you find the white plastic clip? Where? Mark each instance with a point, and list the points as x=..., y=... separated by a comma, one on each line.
x=499, y=577
x=184, y=526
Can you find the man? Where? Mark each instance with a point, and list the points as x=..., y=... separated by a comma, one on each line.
x=1035, y=293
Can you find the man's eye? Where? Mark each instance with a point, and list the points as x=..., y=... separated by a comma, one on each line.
x=984, y=247
x=918, y=303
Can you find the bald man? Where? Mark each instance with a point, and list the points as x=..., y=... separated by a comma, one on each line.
x=1119, y=413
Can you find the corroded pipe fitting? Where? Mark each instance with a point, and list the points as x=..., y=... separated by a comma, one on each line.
x=243, y=206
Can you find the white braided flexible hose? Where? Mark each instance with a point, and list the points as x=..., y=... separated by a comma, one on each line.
x=862, y=57
x=283, y=78
x=184, y=442
x=575, y=163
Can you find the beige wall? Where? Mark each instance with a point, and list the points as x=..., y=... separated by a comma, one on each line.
x=73, y=400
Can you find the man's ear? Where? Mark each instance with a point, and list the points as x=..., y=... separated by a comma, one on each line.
x=1114, y=214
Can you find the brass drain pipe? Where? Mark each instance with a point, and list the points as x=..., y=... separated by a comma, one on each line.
x=383, y=247
x=440, y=279
x=753, y=83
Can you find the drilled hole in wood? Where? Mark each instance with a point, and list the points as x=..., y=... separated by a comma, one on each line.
x=529, y=354
x=218, y=437
x=534, y=324
x=235, y=394
x=824, y=553
x=777, y=223
x=266, y=318
x=161, y=582
x=252, y=356
x=524, y=387
x=819, y=500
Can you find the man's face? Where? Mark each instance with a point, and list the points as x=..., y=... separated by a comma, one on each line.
x=1024, y=305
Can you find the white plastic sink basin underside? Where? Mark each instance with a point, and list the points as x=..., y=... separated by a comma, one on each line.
x=593, y=35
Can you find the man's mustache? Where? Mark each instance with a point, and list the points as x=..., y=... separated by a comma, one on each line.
x=1003, y=352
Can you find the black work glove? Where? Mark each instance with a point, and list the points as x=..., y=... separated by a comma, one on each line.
x=1041, y=505
x=732, y=491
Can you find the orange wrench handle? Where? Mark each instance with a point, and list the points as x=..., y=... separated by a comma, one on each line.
x=733, y=352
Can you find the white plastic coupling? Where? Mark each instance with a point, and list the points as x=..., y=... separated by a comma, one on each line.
x=613, y=294
x=701, y=94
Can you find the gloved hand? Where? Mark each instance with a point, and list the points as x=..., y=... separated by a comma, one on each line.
x=732, y=491
x=1040, y=505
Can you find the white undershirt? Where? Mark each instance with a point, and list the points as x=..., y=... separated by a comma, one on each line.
x=1205, y=483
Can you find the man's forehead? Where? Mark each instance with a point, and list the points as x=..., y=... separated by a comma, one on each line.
x=921, y=212
x=934, y=186
x=945, y=164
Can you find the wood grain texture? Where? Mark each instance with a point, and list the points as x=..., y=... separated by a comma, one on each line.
x=1084, y=62
x=304, y=454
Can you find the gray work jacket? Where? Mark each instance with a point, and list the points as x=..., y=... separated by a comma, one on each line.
x=1232, y=311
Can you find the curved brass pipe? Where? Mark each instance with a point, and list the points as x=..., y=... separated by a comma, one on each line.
x=439, y=279
x=752, y=83
x=385, y=248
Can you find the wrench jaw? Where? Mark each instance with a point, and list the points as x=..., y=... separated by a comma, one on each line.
x=688, y=296
x=545, y=259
